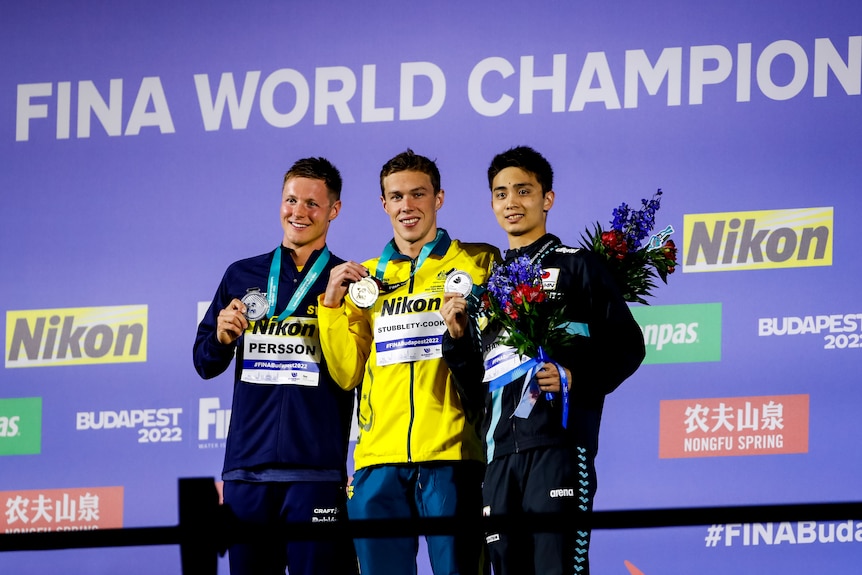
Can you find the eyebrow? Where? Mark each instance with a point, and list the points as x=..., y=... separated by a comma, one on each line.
x=515, y=185
x=299, y=199
x=410, y=191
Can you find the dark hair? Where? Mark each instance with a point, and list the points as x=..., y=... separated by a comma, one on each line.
x=317, y=169
x=409, y=161
x=528, y=160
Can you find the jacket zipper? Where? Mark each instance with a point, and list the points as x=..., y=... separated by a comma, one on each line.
x=412, y=377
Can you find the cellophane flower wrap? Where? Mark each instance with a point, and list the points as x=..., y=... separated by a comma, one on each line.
x=633, y=263
x=518, y=304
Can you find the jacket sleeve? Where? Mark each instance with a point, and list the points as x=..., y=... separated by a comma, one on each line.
x=346, y=339
x=463, y=357
x=212, y=358
x=615, y=346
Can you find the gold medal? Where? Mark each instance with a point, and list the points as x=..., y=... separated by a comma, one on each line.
x=364, y=292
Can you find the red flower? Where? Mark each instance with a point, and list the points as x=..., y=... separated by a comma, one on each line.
x=615, y=243
x=669, y=251
x=530, y=294
x=537, y=295
x=510, y=310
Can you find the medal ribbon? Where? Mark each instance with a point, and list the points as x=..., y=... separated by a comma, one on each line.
x=389, y=251
x=301, y=291
x=529, y=368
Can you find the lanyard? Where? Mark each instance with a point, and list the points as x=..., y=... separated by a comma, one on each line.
x=301, y=291
x=389, y=251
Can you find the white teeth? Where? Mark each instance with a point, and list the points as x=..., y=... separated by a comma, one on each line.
x=410, y=222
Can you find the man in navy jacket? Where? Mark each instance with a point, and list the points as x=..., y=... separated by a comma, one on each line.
x=287, y=443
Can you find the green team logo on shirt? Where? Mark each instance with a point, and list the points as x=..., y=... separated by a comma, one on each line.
x=21, y=426
x=687, y=333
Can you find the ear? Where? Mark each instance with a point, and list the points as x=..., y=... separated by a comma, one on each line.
x=334, y=210
x=438, y=199
x=548, y=201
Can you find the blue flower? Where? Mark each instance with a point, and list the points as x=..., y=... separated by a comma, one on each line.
x=506, y=277
x=636, y=225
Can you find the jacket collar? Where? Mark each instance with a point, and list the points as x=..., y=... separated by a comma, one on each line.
x=542, y=244
x=439, y=250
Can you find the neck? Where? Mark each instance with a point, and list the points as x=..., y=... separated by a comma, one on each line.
x=412, y=249
x=301, y=254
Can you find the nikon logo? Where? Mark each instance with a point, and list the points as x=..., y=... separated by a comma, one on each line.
x=406, y=304
x=74, y=336
x=284, y=328
x=757, y=240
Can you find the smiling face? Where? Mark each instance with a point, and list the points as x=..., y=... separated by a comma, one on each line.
x=410, y=201
x=306, y=210
x=519, y=205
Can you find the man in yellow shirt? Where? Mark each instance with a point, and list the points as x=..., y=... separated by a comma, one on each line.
x=418, y=452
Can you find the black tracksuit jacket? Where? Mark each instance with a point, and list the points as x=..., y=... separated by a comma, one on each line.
x=598, y=363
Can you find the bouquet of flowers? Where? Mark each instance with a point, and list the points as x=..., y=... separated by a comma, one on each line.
x=531, y=321
x=634, y=265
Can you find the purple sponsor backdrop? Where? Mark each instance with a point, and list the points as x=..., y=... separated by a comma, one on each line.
x=146, y=197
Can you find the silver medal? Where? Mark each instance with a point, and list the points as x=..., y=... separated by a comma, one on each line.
x=256, y=304
x=364, y=292
x=458, y=282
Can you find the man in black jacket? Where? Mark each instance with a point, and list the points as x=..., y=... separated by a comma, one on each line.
x=537, y=463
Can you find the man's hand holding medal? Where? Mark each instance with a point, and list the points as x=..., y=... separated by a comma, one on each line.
x=232, y=322
x=457, y=288
x=353, y=277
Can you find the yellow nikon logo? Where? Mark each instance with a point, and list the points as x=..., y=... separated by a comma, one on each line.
x=757, y=240
x=74, y=336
